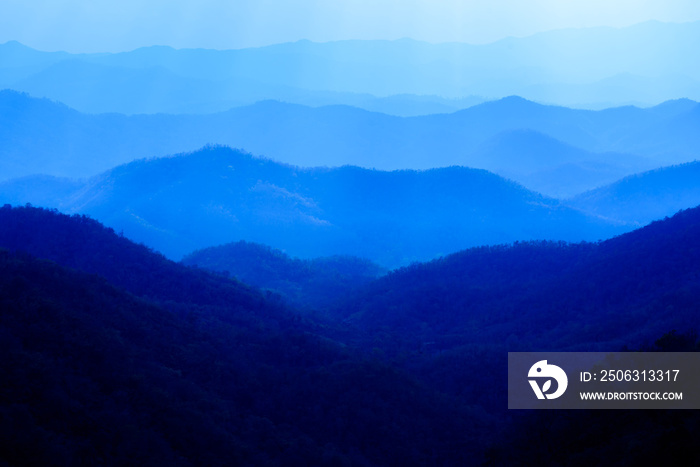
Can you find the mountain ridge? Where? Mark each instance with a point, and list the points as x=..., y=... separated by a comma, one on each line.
x=389, y=217
x=577, y=64
x=644, y=197
x=169, y=367
x=39, y=136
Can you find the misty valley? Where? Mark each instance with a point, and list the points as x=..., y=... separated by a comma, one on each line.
x=217, y=257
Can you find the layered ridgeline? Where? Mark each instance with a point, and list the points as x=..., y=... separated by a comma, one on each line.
x=218, y=195
x=552, y=150
x=545, y=295
x=456, y=317
x=644, y=197
x=113, y=355
x=599, y=67
x=314, y=283
x=154, y=361
x=627, y=290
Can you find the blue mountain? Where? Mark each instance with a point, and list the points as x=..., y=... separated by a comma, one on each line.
x=513, y=137
x=596, y=67
x=641, y=198
x=218, y=195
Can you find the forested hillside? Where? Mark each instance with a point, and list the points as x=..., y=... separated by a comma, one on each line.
x=273, y=233
x=544, y=295
x=157, y=348
x=457, y=316
x=179, y=366
x=218, y=195
x=314, y=283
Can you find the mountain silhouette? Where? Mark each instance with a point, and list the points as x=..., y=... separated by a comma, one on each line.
x=548, y=166
x=591, y=67
x=517, y=138
x=311, y=283
x=537, y=295
x=218, y=195
x=166, y=363
x=641, y=198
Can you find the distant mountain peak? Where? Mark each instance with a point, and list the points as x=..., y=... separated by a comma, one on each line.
x=14, y=44
x=508, y=107
x=513, y=102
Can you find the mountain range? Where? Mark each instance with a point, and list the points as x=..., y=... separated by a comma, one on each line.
x=457, y=316
x=116, y=355
x=553, y=150
x=218, y=195
x=323, y=253
x=315, y=283
x=643, y=64
x=642, y=198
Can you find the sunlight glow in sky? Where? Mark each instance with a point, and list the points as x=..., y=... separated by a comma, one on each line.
x=118, y=25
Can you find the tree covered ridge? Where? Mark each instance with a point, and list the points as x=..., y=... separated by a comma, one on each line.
x=314, y=283
x=129, y=357
x=102, y=374
x=217, y=195
x=545, y=295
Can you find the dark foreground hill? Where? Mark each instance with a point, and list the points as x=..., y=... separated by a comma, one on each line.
x=452, y=319
x=218, y=195
x=113, y=355
x=544, y=295
x=129, y=358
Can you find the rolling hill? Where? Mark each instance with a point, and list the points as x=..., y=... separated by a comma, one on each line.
x=455, y=317
x=550, y=167
x=113, y=337
x=542, y=295
x=114, y=355
x=644, y=197
x=218, y=195
x=593, y=67
x=314, y=283
x=528, y=142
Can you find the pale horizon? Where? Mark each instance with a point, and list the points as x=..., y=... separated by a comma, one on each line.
x=83, y=27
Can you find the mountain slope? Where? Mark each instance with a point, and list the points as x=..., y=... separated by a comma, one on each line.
x=218, y=195
x=450, y=319
x=548, y=166
x=182, y=366
x=589, y=67
x=548, y=296
x=306, y=283
x=644, y=197
x=43, y=137
x=527, y=140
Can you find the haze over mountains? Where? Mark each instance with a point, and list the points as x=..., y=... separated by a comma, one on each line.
x=176, y=365
x=125, y=338
x=218, y=195
x=553, y=150
x=644, y=197
x=644, y=64
x=364, y=230
x=314, y=283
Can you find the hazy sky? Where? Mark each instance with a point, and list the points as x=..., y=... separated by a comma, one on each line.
x=117, y=25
